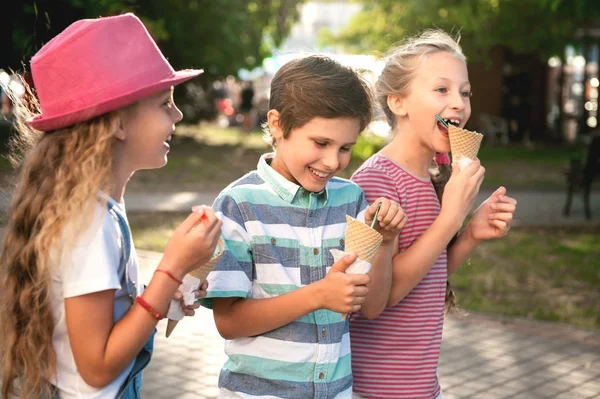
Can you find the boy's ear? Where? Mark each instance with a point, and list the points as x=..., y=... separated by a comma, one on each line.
x=397, y=105
x=274, y=126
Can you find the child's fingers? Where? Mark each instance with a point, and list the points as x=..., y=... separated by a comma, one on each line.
x=455, y=168
x=503, y=207
x=210, y=218
x=499, y=192
x=391, y=212
x=479, y=174
x=383, y=209
x=473, y=168
x=188, y=224
x=199, y=209
x=361, y=291
x=359, y=300
x=189, y=312
x=504, y=216
x=501, y=225
x=508, y=200
x=399, y=220
x=200, y=293
x=210, y=227
x=344, y=263
x=360, y=279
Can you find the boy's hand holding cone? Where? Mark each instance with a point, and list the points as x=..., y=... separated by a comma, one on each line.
x=364, y=240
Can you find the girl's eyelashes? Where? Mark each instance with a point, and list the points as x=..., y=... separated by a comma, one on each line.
x=320, y=143
x=346, y=149
x=444, y=90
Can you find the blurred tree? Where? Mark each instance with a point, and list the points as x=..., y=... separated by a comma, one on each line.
x=219, y=36
x=542, y=27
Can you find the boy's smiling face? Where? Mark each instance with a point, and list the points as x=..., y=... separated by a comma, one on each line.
x=315, y=152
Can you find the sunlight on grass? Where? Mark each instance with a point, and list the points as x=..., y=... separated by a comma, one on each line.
x=212, y=134
x=151, y=231
x=544, y=274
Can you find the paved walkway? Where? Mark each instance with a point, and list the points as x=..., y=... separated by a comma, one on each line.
x=482, y=357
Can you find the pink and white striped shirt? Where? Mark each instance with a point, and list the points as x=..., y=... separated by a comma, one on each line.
x=396, y=355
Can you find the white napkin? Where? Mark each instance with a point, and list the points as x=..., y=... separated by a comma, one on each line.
x=359, y=266
x=463, y=162
x=190, y=284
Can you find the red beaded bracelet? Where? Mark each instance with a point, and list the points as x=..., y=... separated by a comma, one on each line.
x=153, y=312
x=170, y=275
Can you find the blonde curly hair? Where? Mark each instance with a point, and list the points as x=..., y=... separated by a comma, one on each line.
x=60, y=174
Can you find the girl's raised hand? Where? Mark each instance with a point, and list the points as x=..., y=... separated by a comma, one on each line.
x=460, y=192
x=391, y=218
x=493, y=218
x=193, y=242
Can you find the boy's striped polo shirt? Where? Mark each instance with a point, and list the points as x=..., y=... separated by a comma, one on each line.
x=277, y=237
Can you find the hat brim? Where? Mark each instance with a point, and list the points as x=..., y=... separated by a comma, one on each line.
x=52, y=122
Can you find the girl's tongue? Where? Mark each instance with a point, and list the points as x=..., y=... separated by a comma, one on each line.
x=443, y=128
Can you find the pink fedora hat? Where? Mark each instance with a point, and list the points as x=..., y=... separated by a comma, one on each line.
x=96, y=66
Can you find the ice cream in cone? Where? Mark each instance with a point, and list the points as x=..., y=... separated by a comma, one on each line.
x=200, y=274
x=362, y=240
x=464, y=144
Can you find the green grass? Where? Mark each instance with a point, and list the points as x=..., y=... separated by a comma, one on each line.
x=151, y=231
x=517, y=166
x=544, y=155
x=543, y=274
x=5, y=164
x=205, y=158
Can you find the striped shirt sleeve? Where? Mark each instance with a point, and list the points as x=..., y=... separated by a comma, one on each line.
x=232, y=275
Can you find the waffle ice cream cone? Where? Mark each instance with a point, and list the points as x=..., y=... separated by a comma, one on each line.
x=362, y=240
x=464, y=143
x=200, y=273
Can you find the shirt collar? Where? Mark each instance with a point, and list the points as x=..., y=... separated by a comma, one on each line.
x=282, y=186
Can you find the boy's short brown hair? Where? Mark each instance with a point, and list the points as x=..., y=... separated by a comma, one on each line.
x=317, y=86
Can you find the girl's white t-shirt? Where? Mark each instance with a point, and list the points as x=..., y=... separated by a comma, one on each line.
x=92, y=264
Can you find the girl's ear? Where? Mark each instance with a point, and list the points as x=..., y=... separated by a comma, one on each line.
x=121, y=133
x=397, y=105
x=274, y=126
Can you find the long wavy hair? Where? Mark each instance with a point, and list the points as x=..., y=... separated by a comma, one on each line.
x=59, y=175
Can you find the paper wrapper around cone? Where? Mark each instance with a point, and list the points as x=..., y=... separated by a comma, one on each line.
x=362, y=240
x=199, y=273
x=464, y=144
